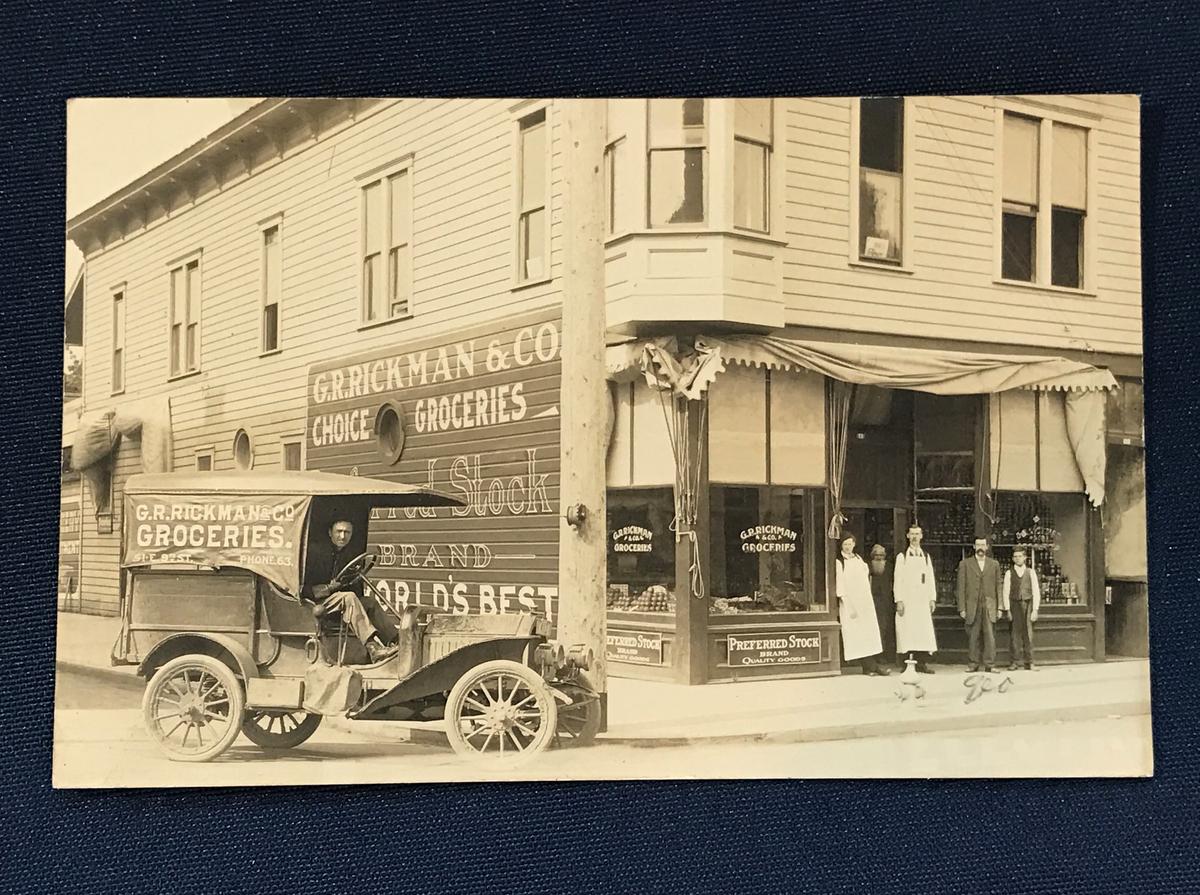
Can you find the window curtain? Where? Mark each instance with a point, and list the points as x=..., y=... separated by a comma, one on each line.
x=841, y=397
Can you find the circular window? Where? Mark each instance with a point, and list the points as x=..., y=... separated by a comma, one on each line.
x=389, y=432
x=243, y=450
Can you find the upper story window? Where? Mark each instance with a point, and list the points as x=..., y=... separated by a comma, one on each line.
x=118, y=341
x=387, y=246
x=678, y=149
x=1043, y=201
x=752, y=140
x=291, y=455
x=881, y=178
x=184, y=335
x=533, y=232
x=272, y=275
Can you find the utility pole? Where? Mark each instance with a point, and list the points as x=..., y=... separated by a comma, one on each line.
x=582, y=531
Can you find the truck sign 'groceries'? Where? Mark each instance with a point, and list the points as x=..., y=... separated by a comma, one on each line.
x=474, y=413
x=262, y=533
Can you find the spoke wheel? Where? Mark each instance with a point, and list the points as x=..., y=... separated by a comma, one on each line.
x=501, y=711
x=579, y=722
x=279, y=728
x=193, y=707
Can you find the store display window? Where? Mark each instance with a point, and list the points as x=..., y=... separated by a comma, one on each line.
x=641, y=550
x=1053, y=529
x=762, y=550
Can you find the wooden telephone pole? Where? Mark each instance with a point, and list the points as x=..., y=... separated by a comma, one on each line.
x=582, y=533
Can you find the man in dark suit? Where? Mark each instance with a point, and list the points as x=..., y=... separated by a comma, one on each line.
x=978, y=594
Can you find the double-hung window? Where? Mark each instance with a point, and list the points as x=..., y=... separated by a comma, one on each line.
x=184, y=334
x=1044, y=201
x=881, y=178
x=118, y=340
x=1022, y=136
x=387, y=246
x=678, y=160
x=272, y=274
x=752, y=164
x=532, y=191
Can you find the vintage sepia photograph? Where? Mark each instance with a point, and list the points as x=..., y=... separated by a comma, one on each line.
x=496, y=439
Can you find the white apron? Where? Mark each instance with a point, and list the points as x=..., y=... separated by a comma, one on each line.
x=914, y=629
x=860, y=627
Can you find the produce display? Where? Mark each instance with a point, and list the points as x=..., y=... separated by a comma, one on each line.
x=653, y=599
x=769, y=599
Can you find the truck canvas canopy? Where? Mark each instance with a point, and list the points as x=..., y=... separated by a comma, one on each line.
x=253, y=521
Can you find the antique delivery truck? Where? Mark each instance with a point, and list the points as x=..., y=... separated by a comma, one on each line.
x=213, y=616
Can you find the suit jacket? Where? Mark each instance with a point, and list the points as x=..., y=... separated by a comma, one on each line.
x=979, y=588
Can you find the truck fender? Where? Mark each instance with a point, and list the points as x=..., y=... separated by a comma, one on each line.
x=219, y=646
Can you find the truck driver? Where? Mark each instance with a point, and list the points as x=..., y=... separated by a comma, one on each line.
x=326, y=560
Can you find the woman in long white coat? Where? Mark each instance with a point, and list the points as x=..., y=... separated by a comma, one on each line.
x=856, y=609
x=915, y=592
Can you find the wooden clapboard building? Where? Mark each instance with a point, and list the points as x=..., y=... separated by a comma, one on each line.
x=897, y=308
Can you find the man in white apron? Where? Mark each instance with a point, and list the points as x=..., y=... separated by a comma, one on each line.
x=915, y=593
x=856, y=609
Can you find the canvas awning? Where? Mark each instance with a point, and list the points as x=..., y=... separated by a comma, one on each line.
x=99, y=432
x=936, y=371
x=922, y=369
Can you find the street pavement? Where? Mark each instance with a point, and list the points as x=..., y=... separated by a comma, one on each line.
x=100, y=742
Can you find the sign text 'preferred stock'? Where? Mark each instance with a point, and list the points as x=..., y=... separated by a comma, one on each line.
x=799, y=648
x=634, y=647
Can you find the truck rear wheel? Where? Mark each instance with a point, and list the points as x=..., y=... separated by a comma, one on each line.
x=279, y=728
x=193, y=708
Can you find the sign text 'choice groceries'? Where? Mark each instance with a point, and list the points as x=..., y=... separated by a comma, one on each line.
x=463, y=409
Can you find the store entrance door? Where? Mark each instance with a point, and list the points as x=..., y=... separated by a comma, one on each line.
x=884, y=525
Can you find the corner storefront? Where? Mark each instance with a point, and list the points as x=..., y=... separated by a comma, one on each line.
x=735, y=462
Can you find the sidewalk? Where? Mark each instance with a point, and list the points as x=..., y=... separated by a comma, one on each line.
x=834, y=708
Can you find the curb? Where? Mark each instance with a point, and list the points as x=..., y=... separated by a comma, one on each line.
x=397, y=731
x=893, y=726
x=128, y=679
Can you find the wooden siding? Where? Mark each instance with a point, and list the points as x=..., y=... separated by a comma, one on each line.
x=463, y=177
x=462, y=261
x=950, y=291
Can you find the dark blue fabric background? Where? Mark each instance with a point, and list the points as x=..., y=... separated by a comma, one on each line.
x=978, y=837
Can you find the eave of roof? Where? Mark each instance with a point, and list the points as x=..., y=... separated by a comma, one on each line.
x=190, y=155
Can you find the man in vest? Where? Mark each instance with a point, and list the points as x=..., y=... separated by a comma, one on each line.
x=1020, y=596
x=978, y=595
x=915, y=597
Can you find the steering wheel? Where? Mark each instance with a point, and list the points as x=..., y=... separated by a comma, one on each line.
x=357, y=567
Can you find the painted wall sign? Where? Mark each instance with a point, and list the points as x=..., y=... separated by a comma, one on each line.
x=633, y=539
x=799, y=648
x=768, y=539
x=634, y=647
x=479, y=410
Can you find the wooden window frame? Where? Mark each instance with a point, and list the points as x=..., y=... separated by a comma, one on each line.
x=206, y=452
x=197, y=320
x=1047, y=116
x=275, y=222
x=768, y=168
x=907, y=180
x=118, y=368
x=706, y=168
x=383, y=177
x=519, y=115
x=283, y=446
